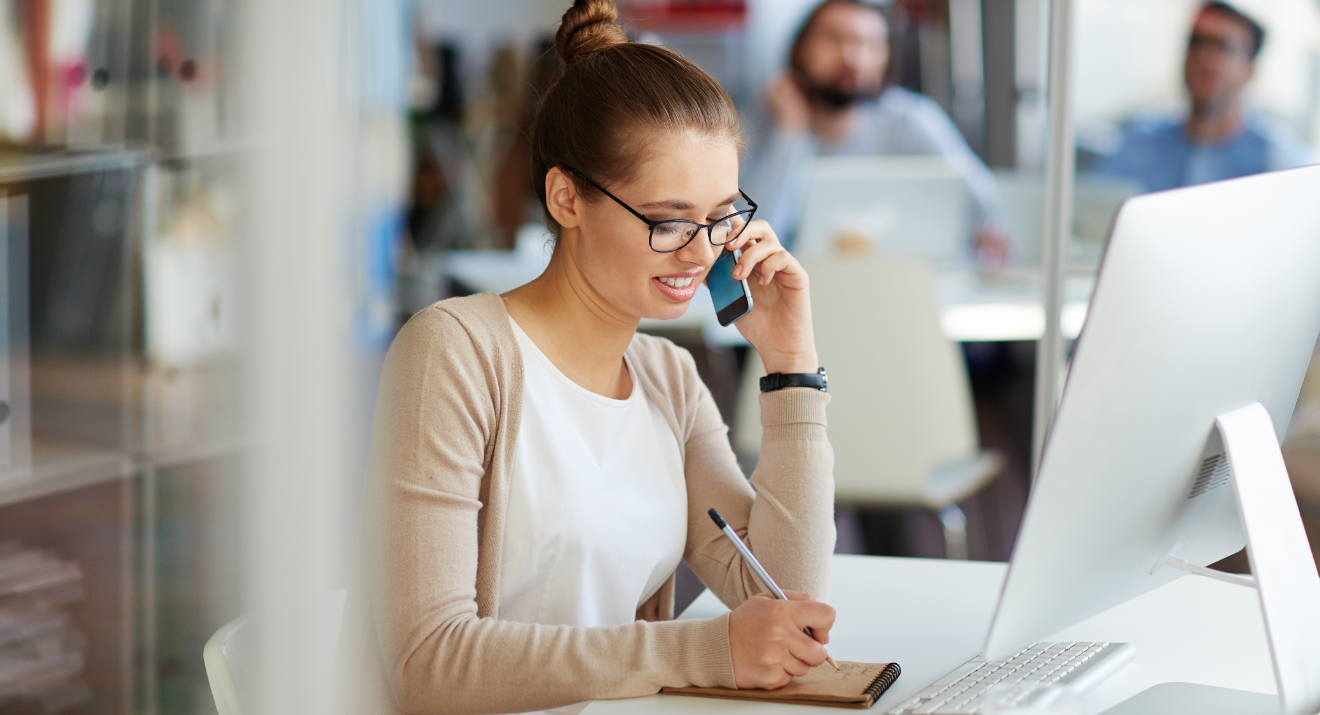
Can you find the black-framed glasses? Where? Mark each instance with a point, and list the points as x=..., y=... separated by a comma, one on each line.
x=674, y=234
x=1219, y=44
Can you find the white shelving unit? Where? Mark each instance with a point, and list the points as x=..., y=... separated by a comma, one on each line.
x=127, y=466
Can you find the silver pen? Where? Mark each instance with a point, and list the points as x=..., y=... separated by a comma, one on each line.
x=758, y=569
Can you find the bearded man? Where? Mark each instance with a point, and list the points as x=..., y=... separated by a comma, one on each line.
x=838, y=99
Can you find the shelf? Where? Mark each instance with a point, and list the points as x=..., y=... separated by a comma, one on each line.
x=93, y=527
x=60, y=467
x=195, y=452
x=207, y=150
x=64, y=466
x=27, y=166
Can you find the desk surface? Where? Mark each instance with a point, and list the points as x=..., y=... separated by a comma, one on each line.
x=932, y=615
x=974, y=307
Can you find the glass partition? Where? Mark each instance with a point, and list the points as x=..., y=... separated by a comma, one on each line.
x=68, y=474
x=1197, y=92
x=1179, y=93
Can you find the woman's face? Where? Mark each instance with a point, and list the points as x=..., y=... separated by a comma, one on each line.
x=686, y=176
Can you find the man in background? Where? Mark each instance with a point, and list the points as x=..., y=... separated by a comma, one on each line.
x=836, y=99
x=1219, y=138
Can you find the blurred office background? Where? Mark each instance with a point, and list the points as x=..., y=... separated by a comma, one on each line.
x=214, y=215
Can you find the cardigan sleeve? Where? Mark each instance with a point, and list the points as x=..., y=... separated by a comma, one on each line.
x=785, y=514
x=434, y=426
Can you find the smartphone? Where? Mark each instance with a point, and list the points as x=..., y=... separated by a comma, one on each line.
x=731, y=297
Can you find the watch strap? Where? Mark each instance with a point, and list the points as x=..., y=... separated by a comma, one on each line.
x=778, y=380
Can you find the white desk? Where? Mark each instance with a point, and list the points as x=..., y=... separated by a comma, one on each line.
x=931, y=615
x=975, y=307
x=984, y=308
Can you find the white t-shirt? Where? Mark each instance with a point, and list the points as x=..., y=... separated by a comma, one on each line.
x=597, y=510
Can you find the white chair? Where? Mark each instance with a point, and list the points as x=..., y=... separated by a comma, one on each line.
x=230, y=655
x=901, y=418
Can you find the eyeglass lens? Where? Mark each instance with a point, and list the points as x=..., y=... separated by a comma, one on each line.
x=673, y=235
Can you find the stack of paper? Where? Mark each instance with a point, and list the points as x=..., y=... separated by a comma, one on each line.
x=41, y=653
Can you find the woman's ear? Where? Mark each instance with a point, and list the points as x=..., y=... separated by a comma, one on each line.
x=562, y=199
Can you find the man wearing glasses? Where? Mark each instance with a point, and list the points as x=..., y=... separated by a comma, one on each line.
x=1219, y=138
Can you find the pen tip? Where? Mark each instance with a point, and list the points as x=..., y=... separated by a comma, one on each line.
x=715, y=517
x=830, y=660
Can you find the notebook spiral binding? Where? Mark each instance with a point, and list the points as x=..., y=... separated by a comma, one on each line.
x=882, y=681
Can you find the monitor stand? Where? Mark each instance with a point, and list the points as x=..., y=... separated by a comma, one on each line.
x=1284, y=577
x=1178, y=698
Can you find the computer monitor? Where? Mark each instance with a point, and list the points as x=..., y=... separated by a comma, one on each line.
x=915, y=206
x=1208, y=300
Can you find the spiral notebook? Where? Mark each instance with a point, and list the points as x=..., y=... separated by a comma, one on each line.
x=853, y=685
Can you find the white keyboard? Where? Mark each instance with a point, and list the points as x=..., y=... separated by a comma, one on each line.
x=979, y=683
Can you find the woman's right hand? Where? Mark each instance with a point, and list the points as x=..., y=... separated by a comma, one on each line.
x=767, y=641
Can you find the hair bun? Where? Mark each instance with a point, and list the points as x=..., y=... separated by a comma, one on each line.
x=588, y=27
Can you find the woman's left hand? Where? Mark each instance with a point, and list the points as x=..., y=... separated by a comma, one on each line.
x=779, y=326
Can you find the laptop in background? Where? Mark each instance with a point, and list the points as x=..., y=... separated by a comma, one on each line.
x=914, y=206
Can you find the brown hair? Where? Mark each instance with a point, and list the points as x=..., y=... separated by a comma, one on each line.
x=891, y=70
x=612, y=96
x=1254, y=28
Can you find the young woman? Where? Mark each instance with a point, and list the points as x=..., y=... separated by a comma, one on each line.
x=539, y=468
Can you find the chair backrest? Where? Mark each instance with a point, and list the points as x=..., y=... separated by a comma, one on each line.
x=900, y=398
x=230, y=655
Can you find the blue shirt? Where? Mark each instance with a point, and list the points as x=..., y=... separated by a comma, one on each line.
x=1158, y=154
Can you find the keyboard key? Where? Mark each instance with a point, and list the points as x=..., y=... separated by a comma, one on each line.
x=978, y=684
x=977, y=705
x=959, y=672
x=928, y=708
x=959, y=709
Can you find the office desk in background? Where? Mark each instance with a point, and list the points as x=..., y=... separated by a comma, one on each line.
x=932, y=615
x=975, y=307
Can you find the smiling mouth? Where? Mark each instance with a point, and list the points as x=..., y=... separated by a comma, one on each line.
x=677, y=282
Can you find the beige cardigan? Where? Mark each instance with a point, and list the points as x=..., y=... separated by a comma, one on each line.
x=422, y=633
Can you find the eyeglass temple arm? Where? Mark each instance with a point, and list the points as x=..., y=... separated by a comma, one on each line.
x=600, y=188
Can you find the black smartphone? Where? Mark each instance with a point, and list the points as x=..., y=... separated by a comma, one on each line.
x=731, y=297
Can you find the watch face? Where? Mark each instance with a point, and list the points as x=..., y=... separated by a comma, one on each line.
x=824, y=379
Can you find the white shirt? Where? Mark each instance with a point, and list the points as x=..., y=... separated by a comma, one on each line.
x=597, y=511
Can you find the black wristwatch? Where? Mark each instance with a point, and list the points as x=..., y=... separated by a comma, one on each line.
x=778, y=380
